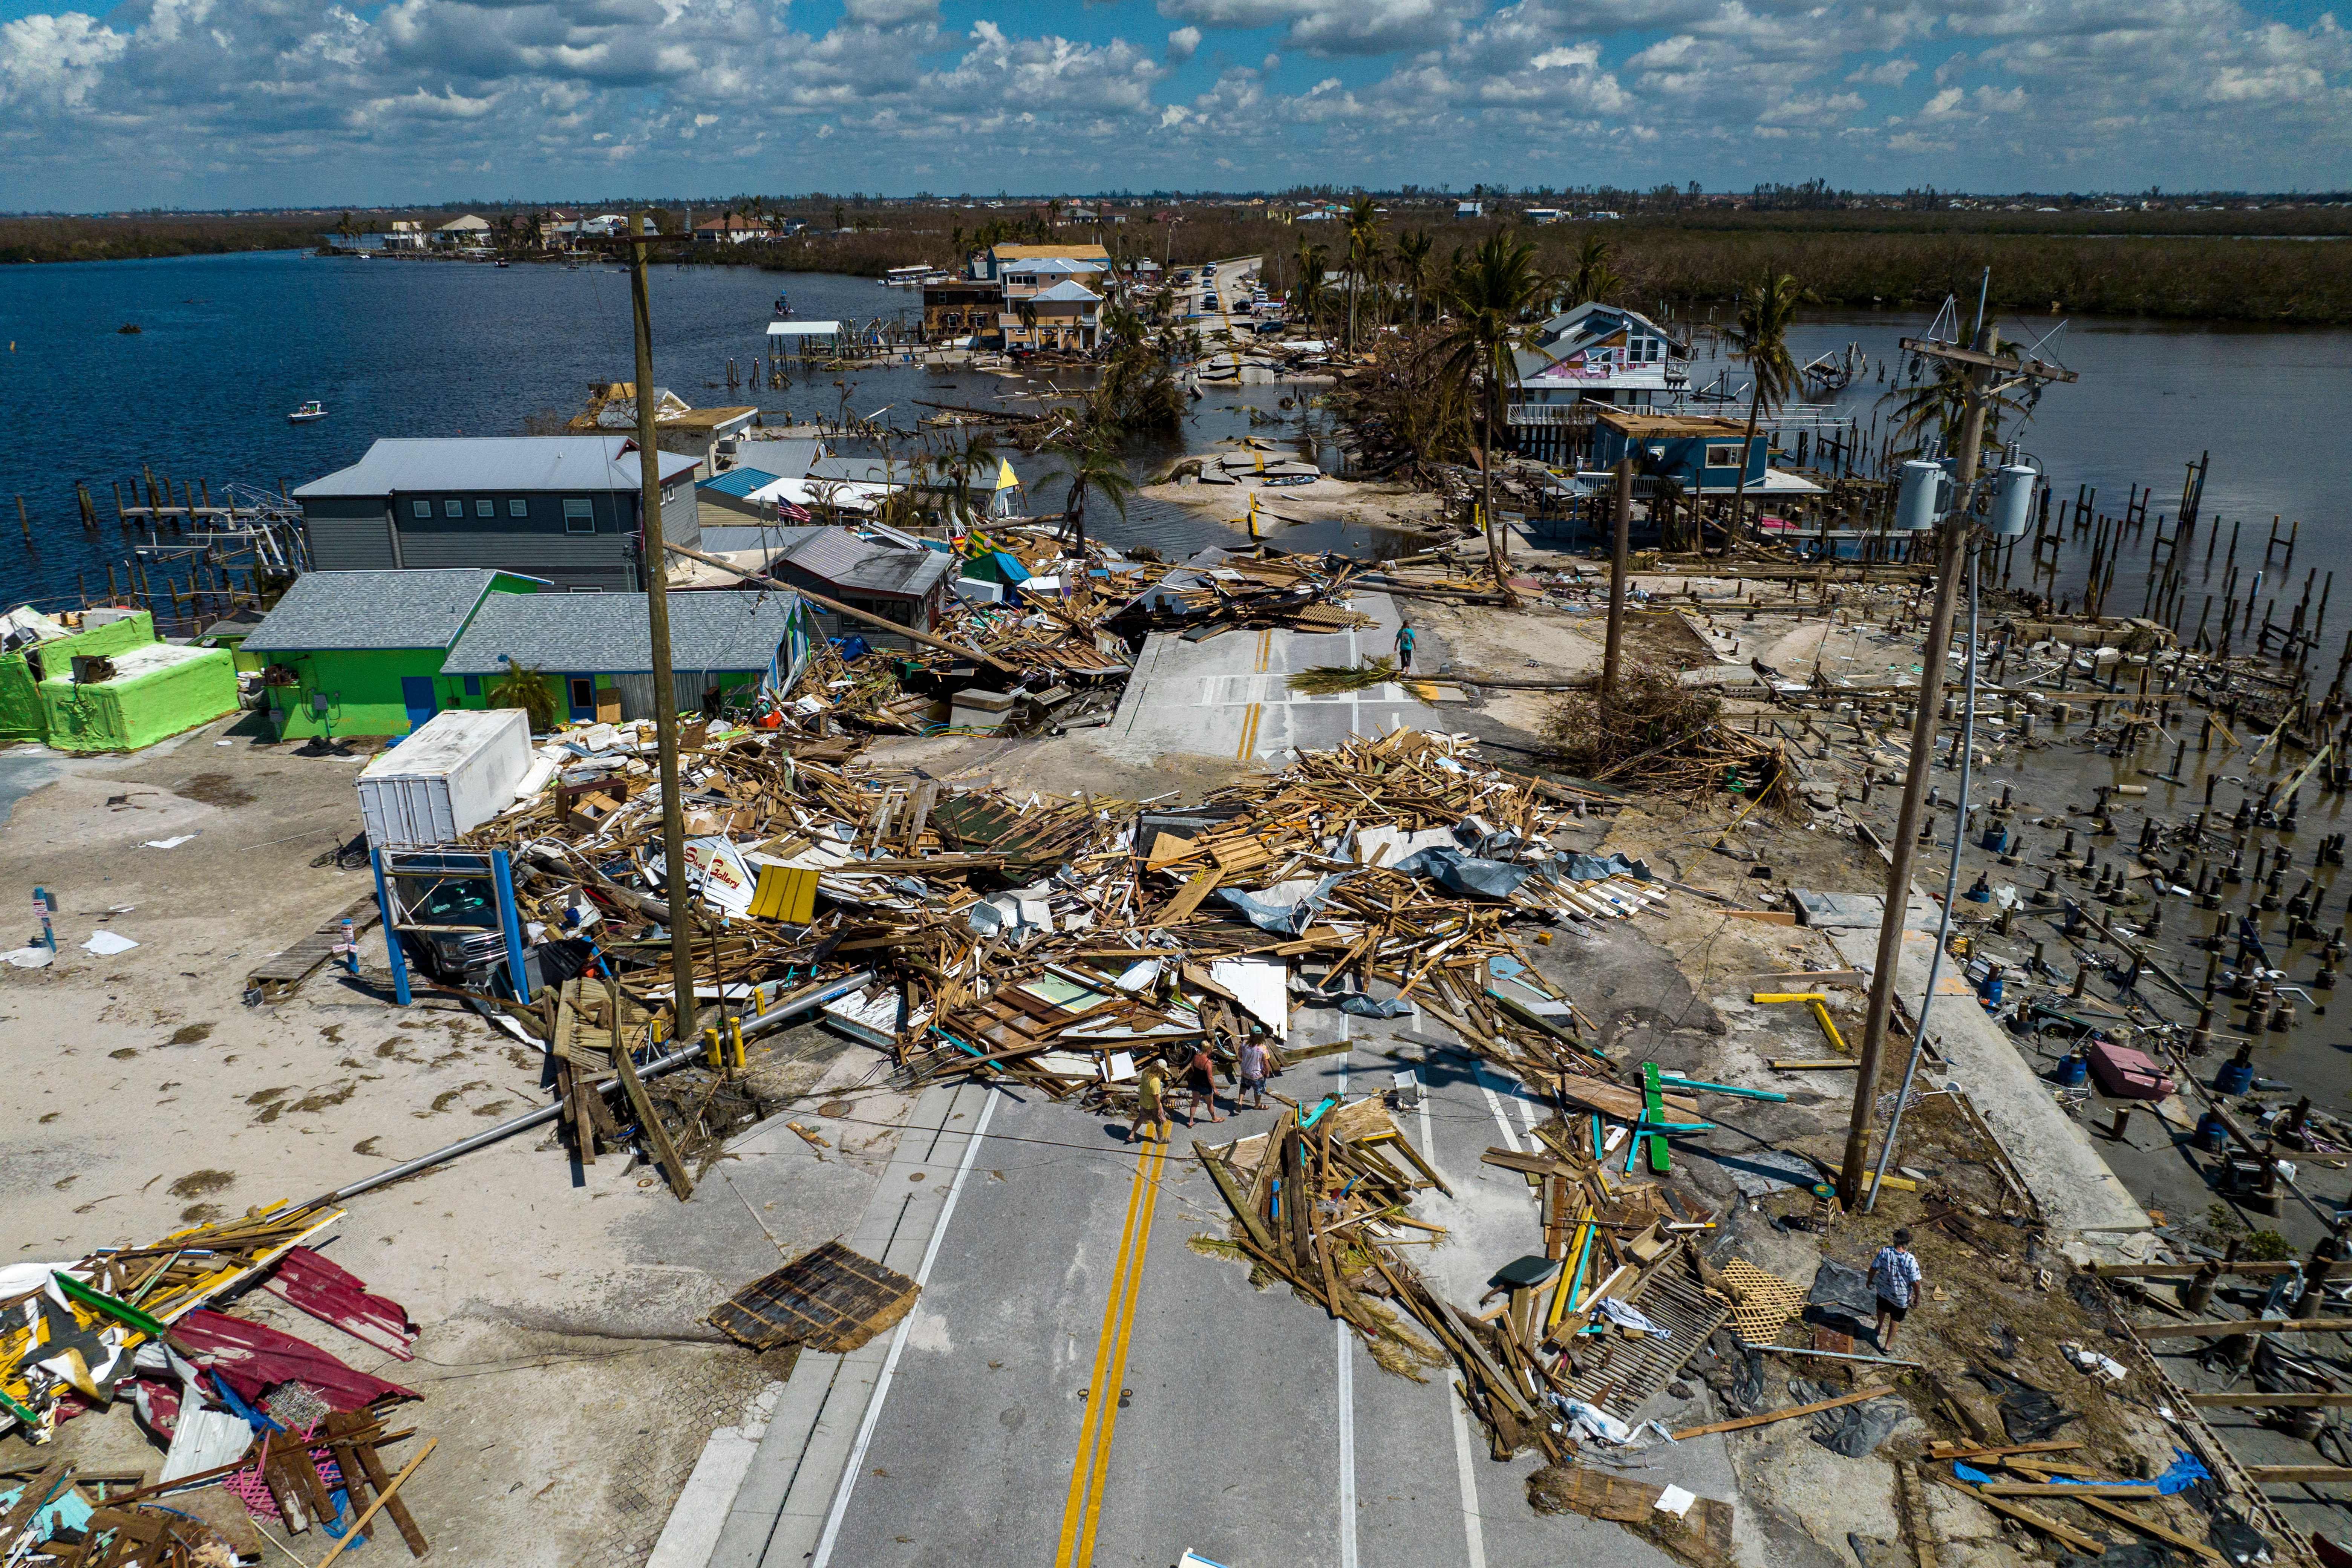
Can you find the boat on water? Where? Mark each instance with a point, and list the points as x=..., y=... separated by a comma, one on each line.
x=783, y=306
x=309, y=413
x=910, y=277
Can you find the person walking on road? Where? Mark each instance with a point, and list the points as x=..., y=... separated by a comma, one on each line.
x=1895, y=1278
x=1404, y=649
x=1151, y=1099
x=1201, y=1082
x=1254, y=1064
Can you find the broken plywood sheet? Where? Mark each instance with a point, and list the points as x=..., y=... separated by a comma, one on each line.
x=1700, y=1534
x=829, y=1300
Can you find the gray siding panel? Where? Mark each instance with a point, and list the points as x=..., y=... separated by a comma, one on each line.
x=358, y=540
x=682, y=516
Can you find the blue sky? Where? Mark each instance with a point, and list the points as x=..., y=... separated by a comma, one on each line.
x=254, y=102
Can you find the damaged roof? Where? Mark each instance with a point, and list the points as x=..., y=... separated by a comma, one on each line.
x=398, y=466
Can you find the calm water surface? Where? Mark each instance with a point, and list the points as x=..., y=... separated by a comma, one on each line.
x=228, y=345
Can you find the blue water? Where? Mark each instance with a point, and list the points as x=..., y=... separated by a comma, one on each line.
x=229, y=344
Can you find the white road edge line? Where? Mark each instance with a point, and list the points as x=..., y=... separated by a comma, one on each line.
x=1473, y=1529
x=1347, y=1375
x=1494, y=1104
x=823, y=1554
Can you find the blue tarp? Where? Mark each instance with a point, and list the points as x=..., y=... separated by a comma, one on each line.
x=2184, y=1473
x=1283, y=920
x=1460, y=873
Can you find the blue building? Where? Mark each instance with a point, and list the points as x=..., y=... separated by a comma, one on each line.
x=1703, y=455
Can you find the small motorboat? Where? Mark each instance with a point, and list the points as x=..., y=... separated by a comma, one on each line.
x=309, y=414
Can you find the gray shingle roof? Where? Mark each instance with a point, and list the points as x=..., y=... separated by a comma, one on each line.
x=356, y=610
x=775, y=538
x=604, y=634
x=576, y=463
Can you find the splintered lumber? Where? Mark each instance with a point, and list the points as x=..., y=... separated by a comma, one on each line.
x=1612, y=1099
x=1970, y=1451
x=838, y=608
x=2251, y=1401
x=1768, y=1418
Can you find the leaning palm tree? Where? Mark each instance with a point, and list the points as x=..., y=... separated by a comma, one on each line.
x=964, y=468
x=1490, y=295
x=1364, y=235
x=1760, y=337
x=1311, y=293
x=1092, y=466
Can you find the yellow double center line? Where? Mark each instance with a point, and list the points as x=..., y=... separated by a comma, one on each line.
x=1082, y=1512
x=1256, y=710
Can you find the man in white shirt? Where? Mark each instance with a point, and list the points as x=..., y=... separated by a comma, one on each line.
x=1895, y=1278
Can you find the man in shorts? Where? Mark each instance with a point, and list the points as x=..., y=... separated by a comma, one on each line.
x=1895, y=1278
x=1255, y=1063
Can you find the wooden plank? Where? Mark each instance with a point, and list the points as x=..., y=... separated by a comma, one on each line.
x=665, y=1152
x=1967, y=1451
x=2067, y=1533
x=2218, y=1327
x=1872, y=1392
x=2273, y=1401
x=2084, y=1489
x=1795, y=1064
x=2149, y=1527
x=1189, y=898
x=2188, y=1270
x=382, y=1498
x=2278, y=1473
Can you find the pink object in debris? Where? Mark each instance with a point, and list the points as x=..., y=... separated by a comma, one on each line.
x=334, y=1295
x=2127, y=1073
x=255, y=1358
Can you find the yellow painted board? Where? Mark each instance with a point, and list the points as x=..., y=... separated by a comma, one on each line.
x=1764, y=996
x=786, y=893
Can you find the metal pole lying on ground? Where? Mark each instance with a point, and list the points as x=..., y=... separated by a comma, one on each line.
x=656, y=567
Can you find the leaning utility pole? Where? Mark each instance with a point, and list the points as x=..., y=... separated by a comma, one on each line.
x=1985, y=364
x=656, y=569
x=1620, y=521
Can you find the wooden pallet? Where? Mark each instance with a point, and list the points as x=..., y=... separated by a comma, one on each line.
x=1628, y=1371
x=278, y=974
x=830, y=1299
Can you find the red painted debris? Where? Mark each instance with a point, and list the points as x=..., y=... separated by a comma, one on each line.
x=255, y=1358
x=334, y=1295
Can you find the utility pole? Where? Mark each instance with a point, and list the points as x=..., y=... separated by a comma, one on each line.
x=1985, y=364
x=656, y=568
x=1622, y=528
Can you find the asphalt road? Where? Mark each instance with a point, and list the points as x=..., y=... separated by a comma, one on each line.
x=1077, y=1386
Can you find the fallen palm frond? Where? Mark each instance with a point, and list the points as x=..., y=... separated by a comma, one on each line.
x=1333, y=679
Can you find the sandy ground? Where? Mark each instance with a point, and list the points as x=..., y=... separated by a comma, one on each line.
x=564, y=1364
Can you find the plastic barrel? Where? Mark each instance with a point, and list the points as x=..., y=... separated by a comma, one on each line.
x=2074, y=1071
x=2211, y=1135
x=2235, y=1077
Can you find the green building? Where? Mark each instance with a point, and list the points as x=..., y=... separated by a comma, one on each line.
x=360, y=653
x=146, y=692
x=22, y=671
x=155, y=692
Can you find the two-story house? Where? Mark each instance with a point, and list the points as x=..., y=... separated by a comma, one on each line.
x=1052, y=303
x=563, y=509
x=1584, y=360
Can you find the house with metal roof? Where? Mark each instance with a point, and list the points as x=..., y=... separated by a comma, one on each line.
x=595, y=651
x=1065, y=315
x=908, y=586
x=1583, y=361
x=563, y=509
x=360, y=653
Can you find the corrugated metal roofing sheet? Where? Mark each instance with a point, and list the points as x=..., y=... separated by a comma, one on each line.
x=737, y=482
x=576, y=463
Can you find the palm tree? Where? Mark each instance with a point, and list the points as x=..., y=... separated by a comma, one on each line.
x=1490, y=295
x=964, y=468
x=1363, y=233
x=1928, y=414
x=1413, y=250
x=1593, y=278
x=1026, y=308
x=1093, y=466
x=1760, y=337
x=1311, y=293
